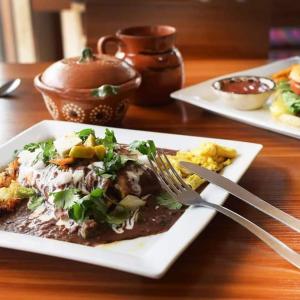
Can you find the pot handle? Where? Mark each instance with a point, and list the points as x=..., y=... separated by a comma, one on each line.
x=103, y=41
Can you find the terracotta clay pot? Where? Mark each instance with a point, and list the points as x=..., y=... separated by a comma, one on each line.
x=150, y=50
x=88, y=89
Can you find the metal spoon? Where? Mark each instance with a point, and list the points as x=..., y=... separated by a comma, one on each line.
x=8, y=87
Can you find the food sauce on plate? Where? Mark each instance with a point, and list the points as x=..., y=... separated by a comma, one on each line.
x=244, y=85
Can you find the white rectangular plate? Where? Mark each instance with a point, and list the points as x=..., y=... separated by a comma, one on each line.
x=149, y=256
x=203, y=96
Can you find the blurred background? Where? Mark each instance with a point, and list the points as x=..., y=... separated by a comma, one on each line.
x=46, y=30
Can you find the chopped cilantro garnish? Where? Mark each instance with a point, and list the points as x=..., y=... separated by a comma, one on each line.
x=166, y=200
x=77, y=212
x=35, y=201
x=66, y=198
x=109, y=140
x=144, y=147
x=112, y=163
x=48, y=149
x=32, y=147
x=84, y=133
x=90, y=206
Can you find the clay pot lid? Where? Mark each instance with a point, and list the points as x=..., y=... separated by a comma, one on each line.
x=87, y=72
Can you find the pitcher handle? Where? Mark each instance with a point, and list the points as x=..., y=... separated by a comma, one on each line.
x=103, y=41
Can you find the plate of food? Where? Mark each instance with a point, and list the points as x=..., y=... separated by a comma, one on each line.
x=86, y=193
x=267, y=97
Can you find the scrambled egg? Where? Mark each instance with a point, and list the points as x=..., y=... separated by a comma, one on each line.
x=208, y=155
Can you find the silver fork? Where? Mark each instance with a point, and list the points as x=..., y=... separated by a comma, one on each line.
x=172, y=182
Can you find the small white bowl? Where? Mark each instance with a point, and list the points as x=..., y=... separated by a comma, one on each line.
x=246, y=101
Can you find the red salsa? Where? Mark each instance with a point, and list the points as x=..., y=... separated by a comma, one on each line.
x=243, y=85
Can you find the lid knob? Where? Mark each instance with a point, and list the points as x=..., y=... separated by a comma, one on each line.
x=86, y=55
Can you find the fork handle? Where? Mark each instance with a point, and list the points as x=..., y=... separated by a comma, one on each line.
x=241, y=193
x=278, y=246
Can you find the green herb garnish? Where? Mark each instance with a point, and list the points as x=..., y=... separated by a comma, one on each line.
x=144, y=147
x=90, y=206
x=32, y=147
x=166, y=200
x=48, y=150
x=109, y=140
x=66, y=198
x=85, y=133
x=112, y=161
x=34, y=202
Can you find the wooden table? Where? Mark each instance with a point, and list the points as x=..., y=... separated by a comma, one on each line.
x=224, y=262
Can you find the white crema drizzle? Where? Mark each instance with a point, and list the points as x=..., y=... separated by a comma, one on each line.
x=128, y=224
x=47, y=179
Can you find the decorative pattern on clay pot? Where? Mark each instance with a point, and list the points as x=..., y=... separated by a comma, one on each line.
x=101, y=114
x=73, y=112
x=51, y=106
x=121, y=109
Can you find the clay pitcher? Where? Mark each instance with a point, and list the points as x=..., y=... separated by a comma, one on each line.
x=151, y=51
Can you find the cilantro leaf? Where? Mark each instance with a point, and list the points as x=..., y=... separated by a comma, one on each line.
x=31, y=147
x=98, y=209
x=89, y=206
x=84, y=133
x=166, y=200
x=109, y=140
x=97, y=193
x=144, y=147
x=34, y=202
x=112, y=162
x=77, y=212
x=66, y=199
x=48, y=149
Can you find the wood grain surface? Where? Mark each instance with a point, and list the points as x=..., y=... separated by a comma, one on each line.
x=224, y=262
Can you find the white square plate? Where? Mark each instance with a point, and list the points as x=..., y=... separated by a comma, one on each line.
x=149, y=256
x=202, y=95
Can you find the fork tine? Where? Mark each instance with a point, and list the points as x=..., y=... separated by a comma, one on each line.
x=161, y=180
x=174, y=171
x=167, y=179
x=169, y=175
